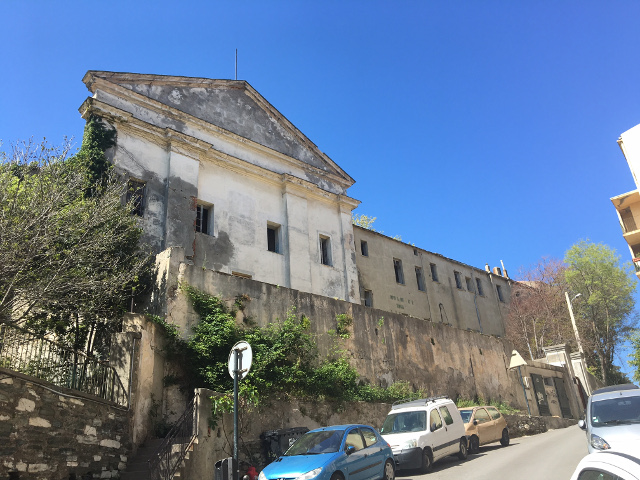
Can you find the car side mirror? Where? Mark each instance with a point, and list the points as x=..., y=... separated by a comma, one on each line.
x=582, y=425
x=475, y=422
x=350, y=449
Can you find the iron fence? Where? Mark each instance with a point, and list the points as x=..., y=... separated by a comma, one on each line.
x=164, y=463
x=37, y=356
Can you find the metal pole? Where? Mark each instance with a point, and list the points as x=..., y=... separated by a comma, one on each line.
x=524, y=391
x=573, y=322
x=234, y=466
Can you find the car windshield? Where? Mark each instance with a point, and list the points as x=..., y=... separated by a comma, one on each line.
x=404, y=422
x=314, y=443
x=466, y=415
x=615, y=411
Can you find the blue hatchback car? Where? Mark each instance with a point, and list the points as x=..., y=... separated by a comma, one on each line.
x=340, y=452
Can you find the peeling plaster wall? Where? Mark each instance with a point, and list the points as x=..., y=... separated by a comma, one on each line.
x=385, y=347
x=442, y=301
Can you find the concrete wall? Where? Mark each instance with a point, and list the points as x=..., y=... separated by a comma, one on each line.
x=441, y=301
x=49, y=433
x=385, y=347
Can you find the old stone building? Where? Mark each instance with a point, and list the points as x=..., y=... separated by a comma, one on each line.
x=218, y=171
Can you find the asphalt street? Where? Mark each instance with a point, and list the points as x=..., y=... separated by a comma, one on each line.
x=552, y=455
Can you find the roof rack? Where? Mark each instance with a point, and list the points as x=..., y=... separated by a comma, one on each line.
x=408, y=402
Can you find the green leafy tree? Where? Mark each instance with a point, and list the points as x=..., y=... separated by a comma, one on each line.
x=605, y=314
x=71, y=262
x=634, y=357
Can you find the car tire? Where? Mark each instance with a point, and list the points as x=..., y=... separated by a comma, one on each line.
x=337, y=476
x=389, y=470
x=462, y=453
x=474, y=444
x=427, y=461
x=504, y=440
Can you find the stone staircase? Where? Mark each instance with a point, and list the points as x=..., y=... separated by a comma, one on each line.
x=138, y=467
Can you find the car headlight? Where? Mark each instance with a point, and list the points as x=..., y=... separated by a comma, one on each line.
x=262, y=476
x=599, y=443
x=309, y=475
x=409, y=443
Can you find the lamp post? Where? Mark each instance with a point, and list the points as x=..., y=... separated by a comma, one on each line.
x=573, y=321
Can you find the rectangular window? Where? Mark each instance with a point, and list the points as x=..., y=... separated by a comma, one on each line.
x=273, y=237
x=203, y=217
x=420, y=279
x=397, y=266
x=364, y=248
x=415, y=252
x=469, y=283
x=368, y=298
x=434, y=272
x=479, y=285
x=499, y=290
x=135, y=196
x=458, y=278
x=325, y=250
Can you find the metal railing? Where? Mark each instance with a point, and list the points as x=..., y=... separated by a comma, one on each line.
x=164, y=463
x=37, y=356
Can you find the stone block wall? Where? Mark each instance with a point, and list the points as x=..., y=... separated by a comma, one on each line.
x=54, y=433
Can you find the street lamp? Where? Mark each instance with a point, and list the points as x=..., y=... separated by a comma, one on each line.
x=573, y=320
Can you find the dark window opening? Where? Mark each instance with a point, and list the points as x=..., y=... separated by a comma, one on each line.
x=364, y=248
x=397, y=266
x=434, y=272
x=135, y=197
x=420, y=279
x=273, y=238
x=202, y=219
x=368, y=298
x=479, y=285
x=458, y=278
x=499, y=290
x=325, y=250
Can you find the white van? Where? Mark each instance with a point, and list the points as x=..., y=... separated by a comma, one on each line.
x=421, y=432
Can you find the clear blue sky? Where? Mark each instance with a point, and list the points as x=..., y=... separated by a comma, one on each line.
x=481, y=130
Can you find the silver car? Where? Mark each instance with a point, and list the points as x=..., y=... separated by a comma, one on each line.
x=612, y=419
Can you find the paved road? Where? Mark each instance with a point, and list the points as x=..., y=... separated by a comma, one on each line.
x=553, y=455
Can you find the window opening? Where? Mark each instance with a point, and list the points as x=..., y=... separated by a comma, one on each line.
x=397, y=266
x=325, y=250
x=446, y=415
x=368, y=298
x=458, y=278
x=434, y=272
x=479, y=285
x=420, y=279
x=273, y=238
x=434, y=420
x=203, y=214
x=364, y=248
x=499, y=290
x=469, y=283
x=135, y=196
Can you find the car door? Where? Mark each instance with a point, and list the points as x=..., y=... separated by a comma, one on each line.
x=438, y=438
x=375, y=453
x=359, y=463
x=453, y=440
x=484, y=425
x=496, y=423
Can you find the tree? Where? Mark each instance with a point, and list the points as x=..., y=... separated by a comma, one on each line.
x=604, y=315
x=635, y=355
x=364, y=221
x=71, y=262
x=538, y=315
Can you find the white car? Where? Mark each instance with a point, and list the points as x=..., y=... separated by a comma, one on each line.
x=608, y=465
x=420, y=432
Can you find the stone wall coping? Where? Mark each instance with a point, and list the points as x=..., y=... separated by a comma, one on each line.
x=64, y=391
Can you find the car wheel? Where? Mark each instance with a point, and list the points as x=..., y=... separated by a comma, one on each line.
x=505, y=438
x=427, y=461
x=474, y=444
x=462, y=454
x=389, y=470
x=337, y=476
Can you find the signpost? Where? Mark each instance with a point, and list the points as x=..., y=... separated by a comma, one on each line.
x=240, y=360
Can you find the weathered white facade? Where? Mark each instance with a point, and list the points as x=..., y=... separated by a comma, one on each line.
x=221, y=174
x=270, y=205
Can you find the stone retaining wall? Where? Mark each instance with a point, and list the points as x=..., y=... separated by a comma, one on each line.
x=522, y=425
x=54, y=433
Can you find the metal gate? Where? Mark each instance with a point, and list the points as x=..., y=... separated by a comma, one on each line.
x=540, y=394
x=563, y=398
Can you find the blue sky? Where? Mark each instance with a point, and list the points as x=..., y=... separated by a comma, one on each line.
x=483, y=130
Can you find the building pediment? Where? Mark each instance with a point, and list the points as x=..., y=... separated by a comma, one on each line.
x=231, y=105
